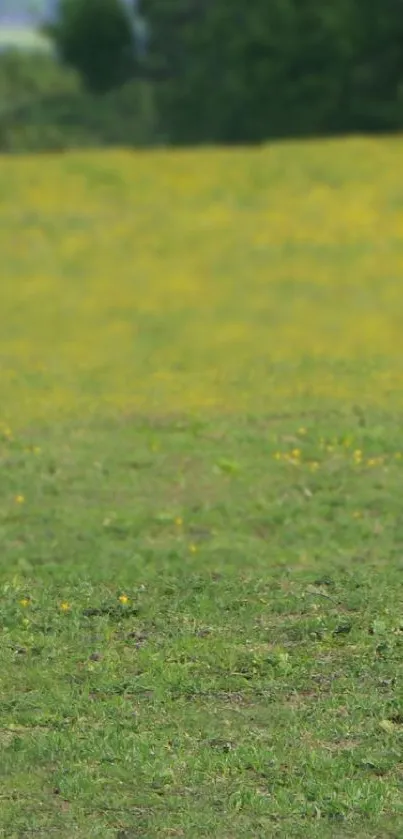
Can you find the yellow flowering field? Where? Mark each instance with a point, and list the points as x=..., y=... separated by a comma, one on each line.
x=210, y=280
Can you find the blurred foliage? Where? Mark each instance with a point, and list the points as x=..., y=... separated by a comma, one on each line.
x=26, y=76
x=44, y=106
x=212, y=72
x=96, y=37
x=246, y=72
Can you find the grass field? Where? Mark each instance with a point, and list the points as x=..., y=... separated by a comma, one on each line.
x=201, y=493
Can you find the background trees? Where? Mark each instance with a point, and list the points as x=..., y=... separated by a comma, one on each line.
x=239, y=72
x=210, y=71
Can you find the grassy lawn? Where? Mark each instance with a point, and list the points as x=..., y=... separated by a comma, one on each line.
x=201, y=493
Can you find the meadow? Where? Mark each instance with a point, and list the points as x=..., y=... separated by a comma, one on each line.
x=201, y=478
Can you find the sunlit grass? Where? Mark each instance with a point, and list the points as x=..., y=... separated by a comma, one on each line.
x=200, y=493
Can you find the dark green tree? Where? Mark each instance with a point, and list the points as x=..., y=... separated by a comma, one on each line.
x=241, y=71
x=96, y=37
x=376, y=83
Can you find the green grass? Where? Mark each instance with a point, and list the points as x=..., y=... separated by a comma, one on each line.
x=201, y=537
x=249, y=684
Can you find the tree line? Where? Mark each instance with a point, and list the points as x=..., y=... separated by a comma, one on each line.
x=233, y=71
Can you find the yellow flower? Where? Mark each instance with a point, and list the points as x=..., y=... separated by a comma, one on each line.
x=64, y=607
x=179, y=521
x=123, y=599
x=19, y=499
x=25, y=601
x=302, y=431
x=296, y=453
x=193, y=549
x=357, y=455
x=277, y=456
